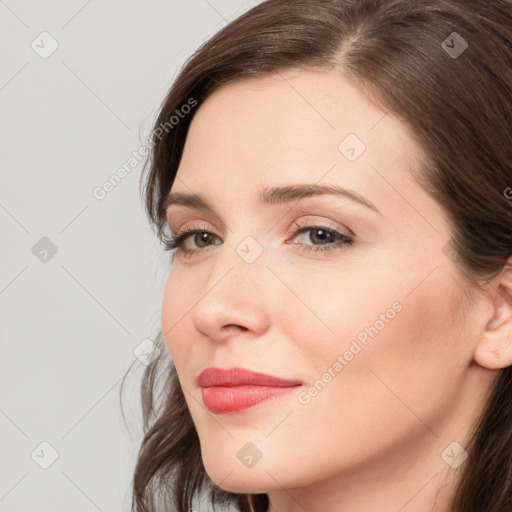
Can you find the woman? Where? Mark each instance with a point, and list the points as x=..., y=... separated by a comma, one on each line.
x=333, y=178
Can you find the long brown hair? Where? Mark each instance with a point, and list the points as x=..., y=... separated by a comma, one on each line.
x=454, y=91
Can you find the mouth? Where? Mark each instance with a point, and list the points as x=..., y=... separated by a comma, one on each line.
x=237, y=389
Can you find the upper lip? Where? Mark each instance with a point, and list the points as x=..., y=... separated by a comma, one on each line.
x=232, y=377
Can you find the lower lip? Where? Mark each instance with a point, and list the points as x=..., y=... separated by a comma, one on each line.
x=221, y=400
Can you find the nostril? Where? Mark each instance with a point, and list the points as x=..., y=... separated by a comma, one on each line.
x=234, y=327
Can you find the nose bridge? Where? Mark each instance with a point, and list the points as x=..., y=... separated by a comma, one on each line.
x=242, y=263
x=235, y=292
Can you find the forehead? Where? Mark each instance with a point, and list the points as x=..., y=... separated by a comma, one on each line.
x=289, y=116
x=292, y=106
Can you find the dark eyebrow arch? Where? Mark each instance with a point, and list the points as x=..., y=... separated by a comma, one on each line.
x=273, y=196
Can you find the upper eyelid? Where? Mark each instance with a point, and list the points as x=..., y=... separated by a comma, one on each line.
x=302, y=210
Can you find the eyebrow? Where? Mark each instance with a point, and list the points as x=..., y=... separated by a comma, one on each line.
x=273, y=196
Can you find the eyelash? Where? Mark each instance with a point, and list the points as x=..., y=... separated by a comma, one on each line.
x=176, y=242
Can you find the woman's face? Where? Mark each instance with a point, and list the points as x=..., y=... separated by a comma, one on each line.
x=380, y=371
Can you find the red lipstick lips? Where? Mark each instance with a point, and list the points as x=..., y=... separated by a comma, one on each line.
x=236, y=389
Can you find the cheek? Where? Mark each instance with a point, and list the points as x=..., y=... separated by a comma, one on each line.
x=414, y=362
x=334, y=310
x=386, y=335
x=388, y=391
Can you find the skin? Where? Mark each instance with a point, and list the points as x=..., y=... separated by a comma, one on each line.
x=373, y=437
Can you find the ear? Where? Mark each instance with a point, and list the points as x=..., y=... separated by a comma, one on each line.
x=494, y=350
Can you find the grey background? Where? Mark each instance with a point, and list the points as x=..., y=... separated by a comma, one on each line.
x=70, y=321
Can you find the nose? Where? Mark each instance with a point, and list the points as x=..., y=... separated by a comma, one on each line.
x=235, y=301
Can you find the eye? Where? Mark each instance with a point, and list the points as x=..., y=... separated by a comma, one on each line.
x=200, y=233
x=328, y=238
x=324, y=238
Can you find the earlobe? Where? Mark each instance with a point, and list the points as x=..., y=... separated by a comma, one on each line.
x=494, y=350
x=493, y=356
